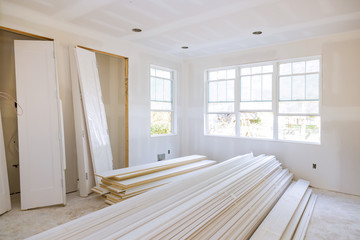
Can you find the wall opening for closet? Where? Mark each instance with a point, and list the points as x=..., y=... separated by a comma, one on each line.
x=7, y=108
x=113, y=75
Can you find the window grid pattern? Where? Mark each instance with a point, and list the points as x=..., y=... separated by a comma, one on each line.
x=256, y=83
x=284, y=112
x=162, y=101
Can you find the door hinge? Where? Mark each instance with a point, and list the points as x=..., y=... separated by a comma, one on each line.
x=86, y=176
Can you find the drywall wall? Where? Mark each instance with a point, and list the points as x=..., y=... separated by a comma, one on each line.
x=338, y=155
x=112, y=80
x=143, y=148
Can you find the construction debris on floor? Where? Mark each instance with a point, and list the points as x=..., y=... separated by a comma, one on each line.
x=241, y=198
x=120, y=184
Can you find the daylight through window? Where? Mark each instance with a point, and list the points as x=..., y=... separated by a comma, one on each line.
x=162, y=104
x=273, y=100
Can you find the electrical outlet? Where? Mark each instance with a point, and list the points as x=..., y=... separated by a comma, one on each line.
x=161, y=156
x=314, y=165
x=169, y=151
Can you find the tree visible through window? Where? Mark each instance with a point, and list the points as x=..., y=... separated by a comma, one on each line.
x=162, y=105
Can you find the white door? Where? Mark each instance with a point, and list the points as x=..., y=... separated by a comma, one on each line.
x=94, y=110
x=84, y=163
x=5, y=204
x=41, y=137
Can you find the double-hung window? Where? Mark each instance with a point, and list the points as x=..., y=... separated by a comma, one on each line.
x=277, y=100
x=299, y=100
x=162, y=100
x=256, y=106
x=221, y=102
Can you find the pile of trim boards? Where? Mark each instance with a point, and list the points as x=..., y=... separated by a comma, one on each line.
x=245, y=197
x=117, y=185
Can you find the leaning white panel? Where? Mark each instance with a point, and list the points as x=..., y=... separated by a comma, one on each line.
x=41, y=142
x=94, y=110
x=5, y=204
x=84, y=164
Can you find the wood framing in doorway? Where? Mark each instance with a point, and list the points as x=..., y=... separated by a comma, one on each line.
x=126, y=86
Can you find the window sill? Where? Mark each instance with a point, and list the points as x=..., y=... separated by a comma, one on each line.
x=163, y=135
x=264, y=139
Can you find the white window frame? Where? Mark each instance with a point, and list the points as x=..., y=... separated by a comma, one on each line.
x=275, y=100
x=206, y=74
x=173, y=112
x=278, y=114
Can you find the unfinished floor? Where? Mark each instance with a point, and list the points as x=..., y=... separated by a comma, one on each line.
x=335, y=216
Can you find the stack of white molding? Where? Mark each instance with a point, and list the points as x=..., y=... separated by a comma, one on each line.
x=229, y=200
x=117, y=185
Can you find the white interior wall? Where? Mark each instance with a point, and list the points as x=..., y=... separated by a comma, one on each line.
x=142, y=147
x=338, y=156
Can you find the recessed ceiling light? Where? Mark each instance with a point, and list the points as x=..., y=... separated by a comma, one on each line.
x=136, y=30
x=257, y=32
x=184, y=47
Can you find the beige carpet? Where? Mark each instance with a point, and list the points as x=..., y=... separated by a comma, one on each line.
x=336, y=216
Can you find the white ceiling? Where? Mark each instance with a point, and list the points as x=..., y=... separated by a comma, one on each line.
x=207, y=26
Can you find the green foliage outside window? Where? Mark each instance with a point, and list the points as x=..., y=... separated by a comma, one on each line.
x=160, y=123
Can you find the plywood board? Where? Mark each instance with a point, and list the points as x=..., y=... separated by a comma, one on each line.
x=123, y=173
x=152, y=177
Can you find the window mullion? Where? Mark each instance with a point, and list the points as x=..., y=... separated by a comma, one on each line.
x=275, y=96
x=237, y=97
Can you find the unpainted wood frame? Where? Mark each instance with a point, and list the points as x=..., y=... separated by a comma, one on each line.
x=25, y=33
x=126, y=97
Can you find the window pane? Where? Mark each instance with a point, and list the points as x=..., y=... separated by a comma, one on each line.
x=163, y=74
x=213, y=75
x=298, y=87
x=221, y=124
x=285, y=88
x=221, y=107
x=313, y=66
x=222, y=74
x=285, y=68
x=213, y=92
x=245, y=71
x=221, y=91
x=159, y=90
x=298, y=67
x=230, y=90
x=299, y=107
x=256, y=124
x=267, y=69
x=256, y=88
x=267, y=87
x=152, y=72
x=299, y=128
x=312, y=86
x=255, y=70
x=161, y=105
x=255, y=105
x=167, y=90
x=245, y=89
x=153, y=88
x=231, y=74
x=160, y=123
